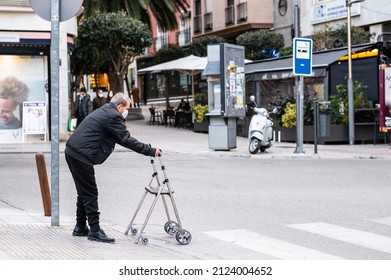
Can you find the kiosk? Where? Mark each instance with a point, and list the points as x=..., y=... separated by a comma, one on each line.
x=226, y=93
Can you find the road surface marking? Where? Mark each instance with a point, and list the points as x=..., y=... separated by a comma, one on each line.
x=386, y=221
x=269, y=246
x=352, y=236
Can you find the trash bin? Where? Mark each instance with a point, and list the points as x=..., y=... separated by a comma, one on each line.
x=324, y=119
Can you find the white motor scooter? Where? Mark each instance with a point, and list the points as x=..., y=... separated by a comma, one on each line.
x=260, y=131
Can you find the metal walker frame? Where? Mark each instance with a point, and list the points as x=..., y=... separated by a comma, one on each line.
x=162, y=189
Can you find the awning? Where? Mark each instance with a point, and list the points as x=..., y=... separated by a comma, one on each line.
x=282, y=68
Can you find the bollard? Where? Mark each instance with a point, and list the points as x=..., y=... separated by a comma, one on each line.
x=44, y=183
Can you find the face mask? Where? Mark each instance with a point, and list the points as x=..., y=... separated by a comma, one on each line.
x=125, y=114
x=100, y=95
x=111, y=95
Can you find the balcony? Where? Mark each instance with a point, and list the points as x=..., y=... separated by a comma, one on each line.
x=208, y=21
x=229, y=15
x=242, y=12
x=197, y=24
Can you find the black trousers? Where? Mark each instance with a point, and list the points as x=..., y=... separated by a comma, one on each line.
x=87, y=193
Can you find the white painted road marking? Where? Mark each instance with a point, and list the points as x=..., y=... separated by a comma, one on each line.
x=352, y=236
x=386, y=221
x=270, y=246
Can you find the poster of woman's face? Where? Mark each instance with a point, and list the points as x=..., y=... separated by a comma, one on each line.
x=22, y=78
x=12, y=93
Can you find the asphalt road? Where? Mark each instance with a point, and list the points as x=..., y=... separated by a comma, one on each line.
x=237, y=208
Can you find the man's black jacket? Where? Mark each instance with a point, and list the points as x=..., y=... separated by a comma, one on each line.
x=95, y=138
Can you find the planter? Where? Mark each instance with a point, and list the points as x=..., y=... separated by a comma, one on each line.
x=201, y=127
x=338, y=134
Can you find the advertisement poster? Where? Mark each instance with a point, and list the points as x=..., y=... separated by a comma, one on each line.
x=34, y=117
x=387, y=97
x=22, y=79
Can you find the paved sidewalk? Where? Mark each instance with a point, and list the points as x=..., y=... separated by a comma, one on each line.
x=29, y=236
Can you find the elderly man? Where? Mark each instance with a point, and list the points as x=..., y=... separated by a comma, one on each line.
x=91, y=144
x=12, y=93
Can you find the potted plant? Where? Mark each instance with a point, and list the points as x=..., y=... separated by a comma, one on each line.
x=200, y=108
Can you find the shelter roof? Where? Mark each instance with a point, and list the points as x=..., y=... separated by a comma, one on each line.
x=319, y=60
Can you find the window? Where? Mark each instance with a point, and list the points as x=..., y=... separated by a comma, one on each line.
x=208, y=21
x=229, y=15
x=242, y=12
x=197, y=7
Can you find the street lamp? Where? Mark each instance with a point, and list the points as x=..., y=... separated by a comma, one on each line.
x=350, y=78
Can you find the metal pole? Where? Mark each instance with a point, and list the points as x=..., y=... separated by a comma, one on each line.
x=316, y=111
x=54, y=93
x=299, y=85
x=350, y=78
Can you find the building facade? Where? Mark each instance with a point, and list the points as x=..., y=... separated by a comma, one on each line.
x=25, y=57
x=230, y=18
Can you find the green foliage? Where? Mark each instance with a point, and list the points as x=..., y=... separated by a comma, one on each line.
x=162, y=11
x=286, y=51
x=289, y=117
x=199, y=46
x=258, y=44
x=339, y=102
x=329, y=38
x=200, y=107
x=110, y=41
x=200, y=98
x=168, y=53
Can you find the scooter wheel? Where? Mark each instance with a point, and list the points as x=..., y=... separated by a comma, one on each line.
x=254, y=146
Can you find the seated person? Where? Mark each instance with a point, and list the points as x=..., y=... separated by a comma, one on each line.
x=183, y=106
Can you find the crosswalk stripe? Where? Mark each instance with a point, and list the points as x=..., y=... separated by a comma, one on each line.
x=352, y=236
x=269, y=246
x=386, y=221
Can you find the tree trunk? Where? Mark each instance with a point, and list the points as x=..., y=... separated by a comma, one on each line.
x=116, y=82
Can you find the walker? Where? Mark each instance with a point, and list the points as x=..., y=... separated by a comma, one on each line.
x=160, y=190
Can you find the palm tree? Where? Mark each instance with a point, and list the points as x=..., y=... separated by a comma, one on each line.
x=163, y=10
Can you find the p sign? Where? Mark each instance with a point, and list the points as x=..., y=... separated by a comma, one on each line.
x=302, y=57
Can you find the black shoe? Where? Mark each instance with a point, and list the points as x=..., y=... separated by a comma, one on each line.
x=100, y=236
x=80, y=231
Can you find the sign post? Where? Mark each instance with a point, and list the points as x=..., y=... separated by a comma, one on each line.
x=302, y=66
x=55, y=11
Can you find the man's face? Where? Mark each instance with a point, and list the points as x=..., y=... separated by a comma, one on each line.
x=7, y=108
x=122, y=108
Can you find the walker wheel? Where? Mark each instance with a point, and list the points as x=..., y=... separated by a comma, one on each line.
x=171, y=227
x=183, y=236
x=134, y=231
x=144, y=240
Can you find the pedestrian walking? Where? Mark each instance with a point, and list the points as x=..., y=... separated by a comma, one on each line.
x=136, y=96
x=99, y=100
x=83, y=106
x=91, y=144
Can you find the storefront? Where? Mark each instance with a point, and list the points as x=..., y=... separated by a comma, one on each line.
x=271, y=79
x=25, y=86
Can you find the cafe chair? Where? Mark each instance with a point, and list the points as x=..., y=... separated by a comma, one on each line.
x=155, y=116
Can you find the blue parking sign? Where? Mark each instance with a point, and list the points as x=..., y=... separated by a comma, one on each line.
x=302, y=57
